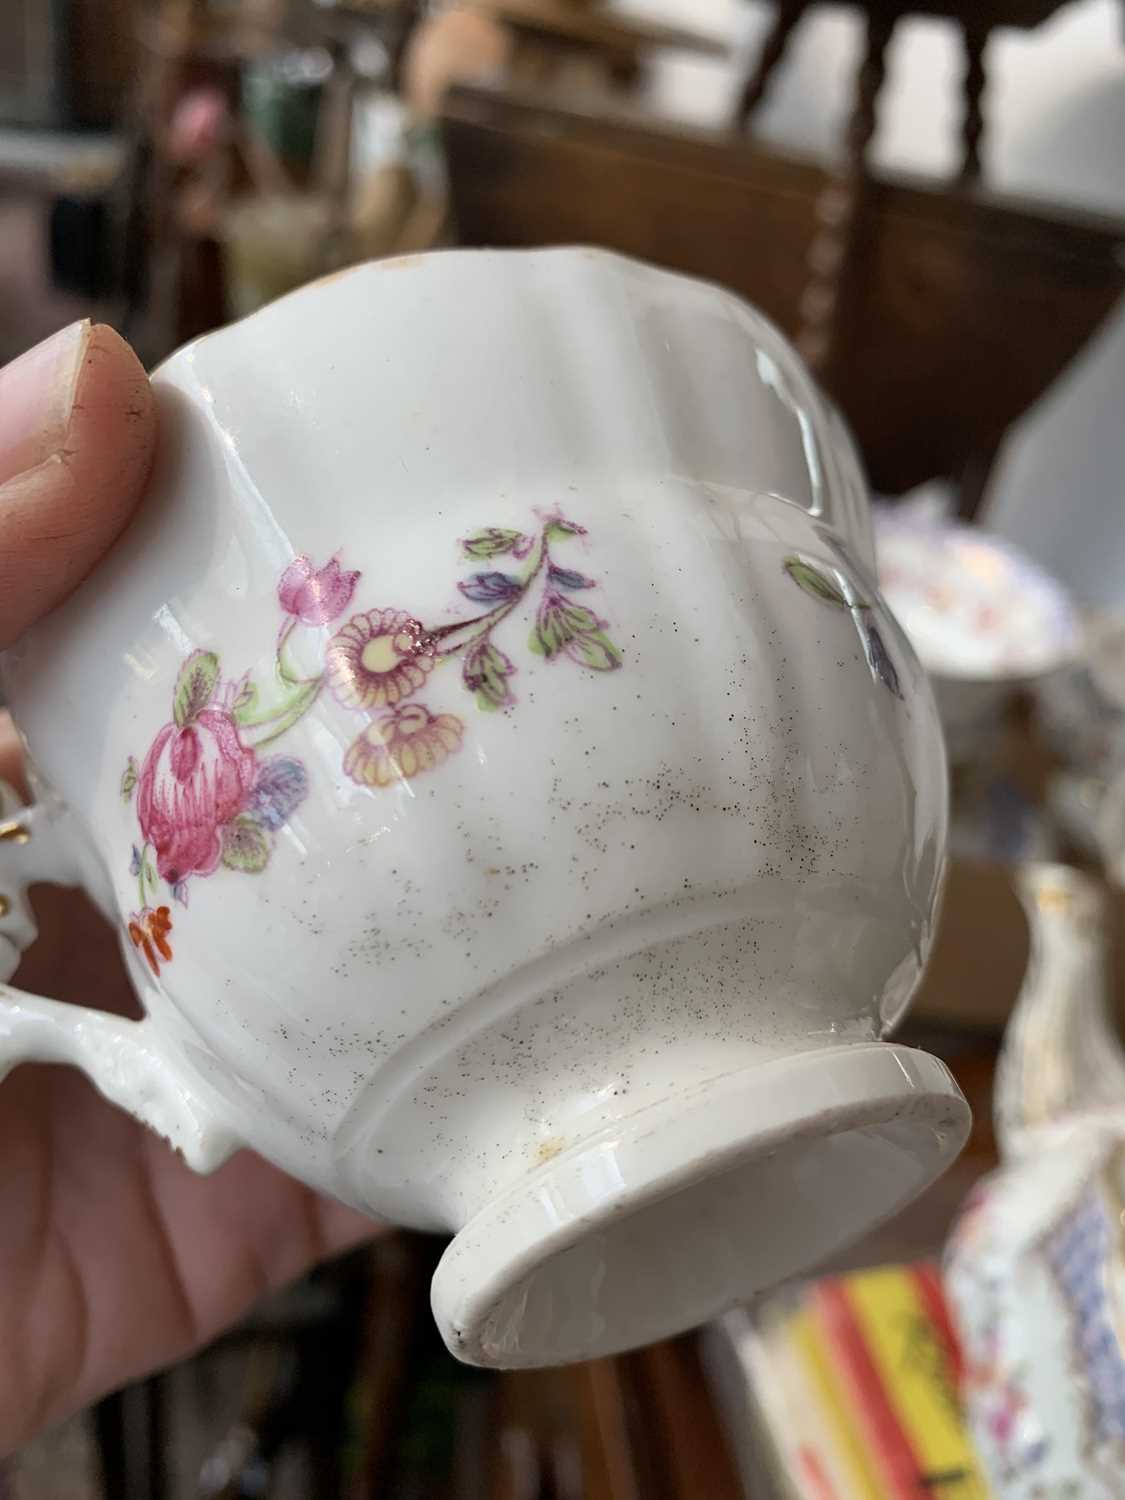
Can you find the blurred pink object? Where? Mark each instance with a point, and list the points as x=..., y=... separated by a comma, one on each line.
x=197, y=125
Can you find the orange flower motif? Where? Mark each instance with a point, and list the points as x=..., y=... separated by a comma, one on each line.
x=402, y=744
x=149, y=931
x=378, y=659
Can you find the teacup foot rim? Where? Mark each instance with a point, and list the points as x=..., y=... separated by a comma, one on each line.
x=665, y=1220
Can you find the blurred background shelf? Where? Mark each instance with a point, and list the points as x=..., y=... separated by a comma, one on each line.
x=1021, y=290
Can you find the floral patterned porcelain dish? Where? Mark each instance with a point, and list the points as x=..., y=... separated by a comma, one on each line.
x=983, y=618
x=521, y=815
x=1036, y=1267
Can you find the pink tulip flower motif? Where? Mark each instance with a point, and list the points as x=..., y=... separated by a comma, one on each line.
x=315, y=596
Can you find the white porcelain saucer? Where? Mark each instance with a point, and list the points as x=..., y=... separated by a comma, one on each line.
x=983, y=618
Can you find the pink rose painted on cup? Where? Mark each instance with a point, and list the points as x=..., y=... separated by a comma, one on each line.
x=205, y=794
x=315, y=596
x=195, y=780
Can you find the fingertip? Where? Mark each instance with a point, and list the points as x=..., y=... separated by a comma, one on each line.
x=110, y=439
x=12, y=769
x=60, y=516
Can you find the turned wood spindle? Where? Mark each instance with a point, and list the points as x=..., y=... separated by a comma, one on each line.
x=839, y=204
x=789, y=12
x=974, y=39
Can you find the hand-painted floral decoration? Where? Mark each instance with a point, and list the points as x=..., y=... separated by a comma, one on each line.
x=315, y=597
x=206, y=795
x=400, y=744
x=562, y=626
x=994, y=1381
x=148, y=931
x=1079, y=1249
x=836, y=589
x=378, y=659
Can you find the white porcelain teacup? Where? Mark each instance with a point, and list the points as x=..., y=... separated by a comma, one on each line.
x=521, y=816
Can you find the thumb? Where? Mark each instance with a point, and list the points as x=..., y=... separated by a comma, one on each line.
x=77, y=430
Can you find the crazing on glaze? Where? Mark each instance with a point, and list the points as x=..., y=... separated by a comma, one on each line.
x=207, y=798
x=838, y=591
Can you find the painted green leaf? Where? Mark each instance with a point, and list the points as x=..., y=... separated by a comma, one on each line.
x=543, y=639
x=246, y=702
x=562, y=527
x=245, y=846
x=559, y=622
x=128, y=779
x=814, y=582
x=549, y=634
x=149, y=873
x=485, y=672
x=595, y=651
x=490, y=541
x=199, y=676
x=266, y=726
x=578, y=618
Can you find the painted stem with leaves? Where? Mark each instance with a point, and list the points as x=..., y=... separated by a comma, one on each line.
x=562, y=625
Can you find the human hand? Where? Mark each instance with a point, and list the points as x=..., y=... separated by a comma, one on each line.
x=114, y=1257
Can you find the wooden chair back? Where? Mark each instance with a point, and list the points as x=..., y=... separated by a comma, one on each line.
x=958, y=308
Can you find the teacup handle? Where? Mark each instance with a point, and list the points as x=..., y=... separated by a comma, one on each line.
x=130, y=1062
